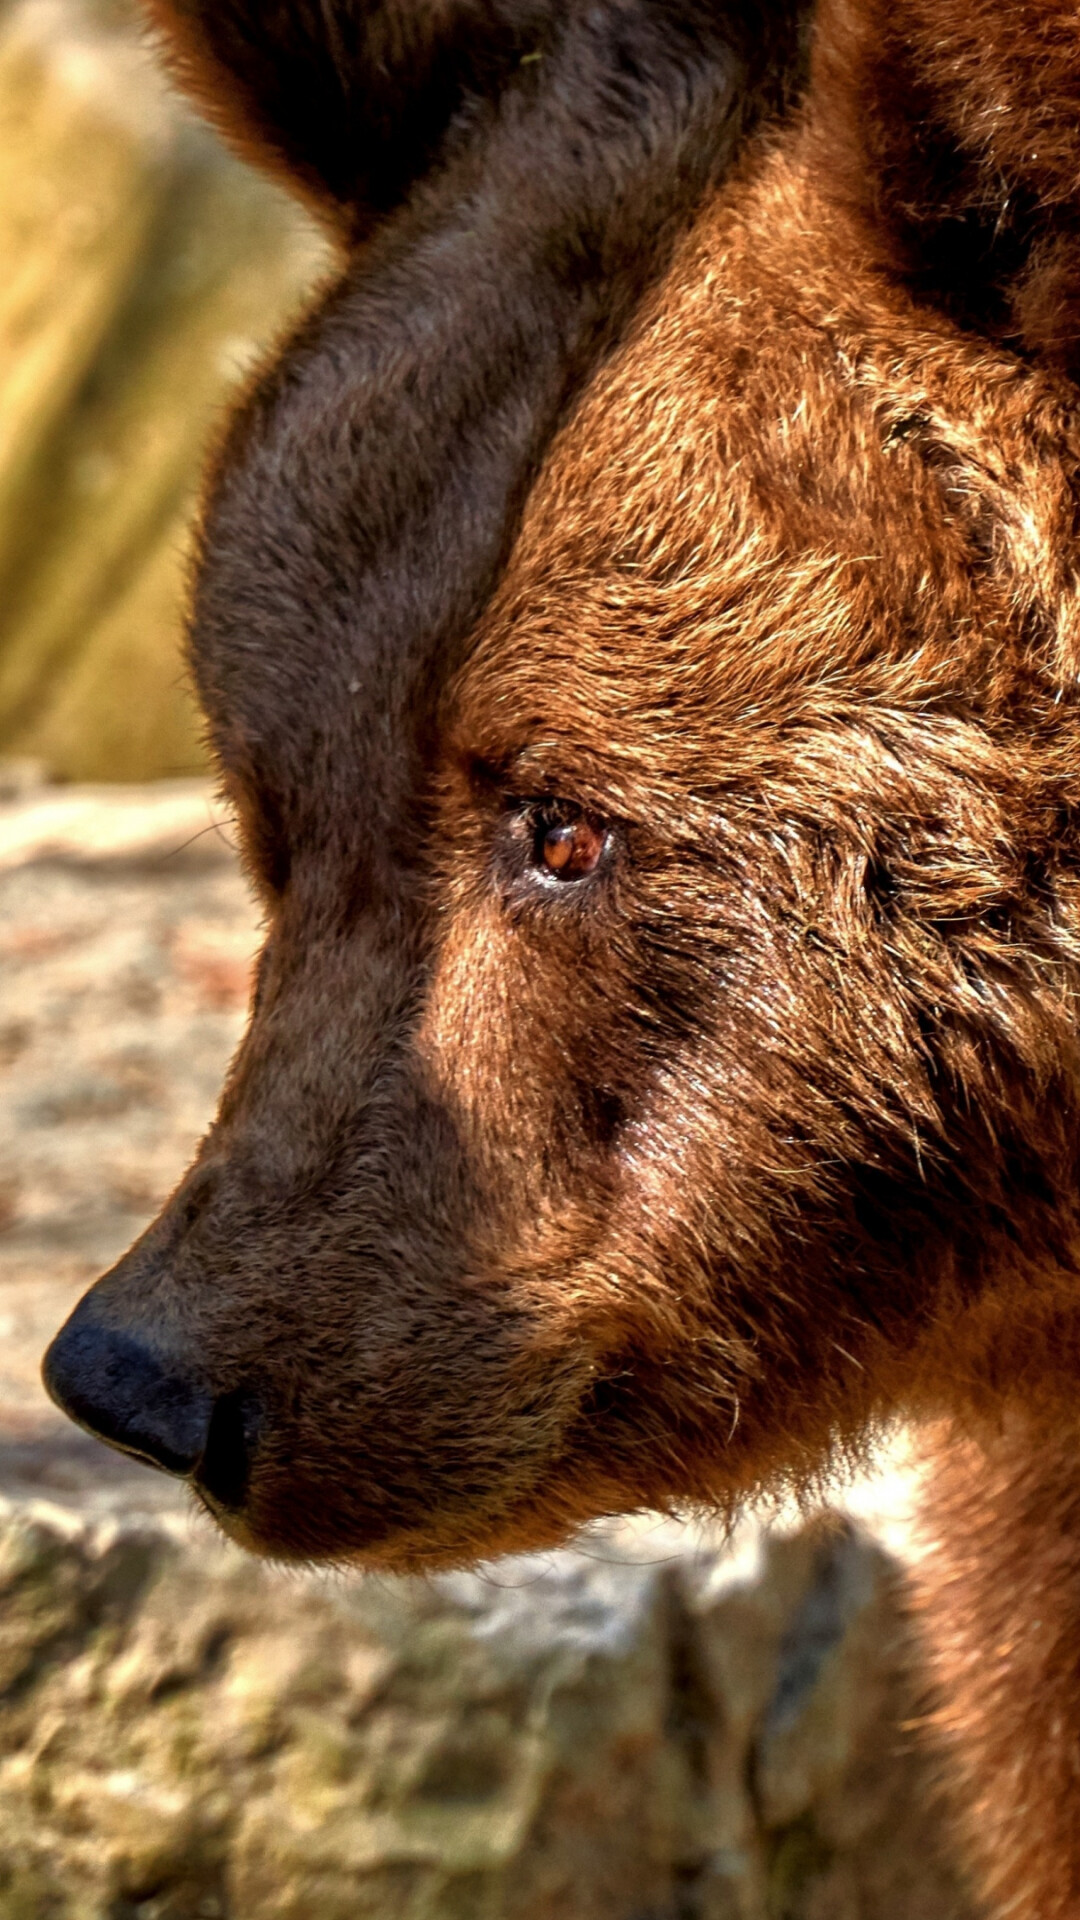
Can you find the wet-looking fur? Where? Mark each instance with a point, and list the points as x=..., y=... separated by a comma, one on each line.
x=688, y=449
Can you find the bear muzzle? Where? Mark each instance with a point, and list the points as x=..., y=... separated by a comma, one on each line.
x=126, y=1391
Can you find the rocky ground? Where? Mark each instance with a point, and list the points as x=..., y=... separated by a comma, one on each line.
x=645, y=1728
x=125, y=941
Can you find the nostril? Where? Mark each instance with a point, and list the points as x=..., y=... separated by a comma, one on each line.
x=231, y=1440
x=119, y=1389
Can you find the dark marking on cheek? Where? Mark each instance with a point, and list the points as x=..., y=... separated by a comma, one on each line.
x=605, y=1114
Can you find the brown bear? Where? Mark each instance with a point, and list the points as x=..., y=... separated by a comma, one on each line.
x=638, y=624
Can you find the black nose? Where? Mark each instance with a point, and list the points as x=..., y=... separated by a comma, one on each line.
x=117, y=1387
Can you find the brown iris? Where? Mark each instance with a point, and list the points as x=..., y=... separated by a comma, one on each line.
x=571, y=850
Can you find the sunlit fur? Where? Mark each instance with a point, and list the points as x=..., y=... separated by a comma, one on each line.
x=695, y=444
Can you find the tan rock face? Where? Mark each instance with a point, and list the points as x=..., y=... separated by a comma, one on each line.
x=144, y=271
x=697, y=1736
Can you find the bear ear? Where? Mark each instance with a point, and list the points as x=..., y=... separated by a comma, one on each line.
x=954, y=126
x=347, y=100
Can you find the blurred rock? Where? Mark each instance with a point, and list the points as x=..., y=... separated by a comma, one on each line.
x=126, y=937
x=19, y=777
x=145, y=273
x=174, y=820
x=651, y=1727
x=603, y=1734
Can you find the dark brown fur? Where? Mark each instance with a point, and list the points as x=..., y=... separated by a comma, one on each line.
x=732, y=507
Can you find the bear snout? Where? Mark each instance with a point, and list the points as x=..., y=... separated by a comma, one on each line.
x=150, y=1403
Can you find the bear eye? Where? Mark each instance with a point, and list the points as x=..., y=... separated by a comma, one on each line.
x=567, y=848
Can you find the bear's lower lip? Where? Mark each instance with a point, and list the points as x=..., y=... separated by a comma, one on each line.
x=241, y=1528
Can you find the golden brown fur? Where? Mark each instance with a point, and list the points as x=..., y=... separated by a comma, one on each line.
x=727, y=505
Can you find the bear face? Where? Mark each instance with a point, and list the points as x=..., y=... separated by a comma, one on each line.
x=647, y=697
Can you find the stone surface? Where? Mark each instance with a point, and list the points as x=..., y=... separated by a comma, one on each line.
x=648, y=1727
x=678, y=1736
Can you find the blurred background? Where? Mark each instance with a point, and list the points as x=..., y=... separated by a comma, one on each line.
x=144, y=273
x=652, y=1725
